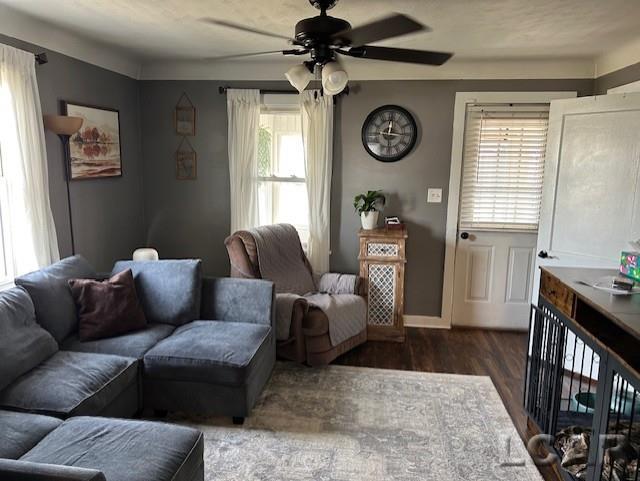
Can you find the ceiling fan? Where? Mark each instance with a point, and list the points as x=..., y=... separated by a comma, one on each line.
x=324, y=37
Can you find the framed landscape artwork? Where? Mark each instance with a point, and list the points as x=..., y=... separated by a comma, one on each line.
x=94, y=151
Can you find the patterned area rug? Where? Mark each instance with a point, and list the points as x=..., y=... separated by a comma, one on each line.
x=346, y=423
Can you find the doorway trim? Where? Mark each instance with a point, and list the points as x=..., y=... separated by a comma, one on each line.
x=455, y=175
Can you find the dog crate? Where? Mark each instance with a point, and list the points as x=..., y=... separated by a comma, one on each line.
x=618, y=449
x=585, y=395
x=562, y=387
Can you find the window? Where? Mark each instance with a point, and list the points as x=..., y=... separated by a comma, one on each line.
x=503, y=166
x=282, y=189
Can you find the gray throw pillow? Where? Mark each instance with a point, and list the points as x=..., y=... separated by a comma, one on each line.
x=169, y=290
x=23, y=343
x=48, y=287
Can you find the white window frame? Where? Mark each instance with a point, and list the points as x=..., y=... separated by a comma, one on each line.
x=280, y=104
x=455, y=176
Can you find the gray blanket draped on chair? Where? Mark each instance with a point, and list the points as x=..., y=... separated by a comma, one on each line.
x=282, y=261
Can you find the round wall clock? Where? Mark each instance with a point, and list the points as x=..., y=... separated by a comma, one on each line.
x=389, y=133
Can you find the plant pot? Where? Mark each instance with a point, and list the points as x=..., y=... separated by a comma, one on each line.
x=369, y=219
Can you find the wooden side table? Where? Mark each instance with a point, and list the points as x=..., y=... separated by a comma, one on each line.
x=382, y=258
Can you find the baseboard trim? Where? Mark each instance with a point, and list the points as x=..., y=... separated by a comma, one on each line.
x=428, y=322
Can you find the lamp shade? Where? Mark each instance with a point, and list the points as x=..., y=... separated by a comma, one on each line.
x=334, y=78
x=145, y=254
x=62, y=124
x=299, y=76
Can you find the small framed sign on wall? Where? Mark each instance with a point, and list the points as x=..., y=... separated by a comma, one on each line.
x=184, y=117
x=94, y=151
x=186, y=161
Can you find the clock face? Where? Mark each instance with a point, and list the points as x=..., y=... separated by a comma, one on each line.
x=389, y=133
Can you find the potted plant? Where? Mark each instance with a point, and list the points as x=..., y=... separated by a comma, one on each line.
x=367, y=206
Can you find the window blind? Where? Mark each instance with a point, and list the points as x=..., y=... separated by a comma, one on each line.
x=503, y=166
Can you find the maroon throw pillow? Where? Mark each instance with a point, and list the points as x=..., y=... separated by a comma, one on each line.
x=107, y=308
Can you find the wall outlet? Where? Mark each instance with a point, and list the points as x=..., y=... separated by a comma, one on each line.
x=434, y=196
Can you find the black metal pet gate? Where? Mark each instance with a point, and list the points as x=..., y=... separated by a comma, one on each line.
x=587, y=399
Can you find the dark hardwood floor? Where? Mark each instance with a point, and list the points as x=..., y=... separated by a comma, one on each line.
x=498, y=354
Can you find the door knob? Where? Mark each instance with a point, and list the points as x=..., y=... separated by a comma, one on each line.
x=464, y=235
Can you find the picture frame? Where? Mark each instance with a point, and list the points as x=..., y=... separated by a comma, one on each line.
x=95, y=151
x=186, y=162
x=184, y=117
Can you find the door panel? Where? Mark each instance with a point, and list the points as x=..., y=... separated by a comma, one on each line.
x=493, y=275
x=479, y=273
x=519, y=275
x=591, y=196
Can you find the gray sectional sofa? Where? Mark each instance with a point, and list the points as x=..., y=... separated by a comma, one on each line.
x=42, y=448
x=208, y=348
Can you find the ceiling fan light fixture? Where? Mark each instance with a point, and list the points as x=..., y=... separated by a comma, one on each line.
x=299, y=76
x=334, y=78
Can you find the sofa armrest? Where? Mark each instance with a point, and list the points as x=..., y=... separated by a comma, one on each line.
x=14, y=470
x=334, y=283
x=238, y=300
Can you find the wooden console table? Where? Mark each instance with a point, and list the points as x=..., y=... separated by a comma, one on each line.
x=583, y=373
x=382, y=258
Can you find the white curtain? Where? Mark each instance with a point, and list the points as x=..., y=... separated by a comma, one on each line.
x=243, y=113
x=28, y=218
x=317, y=137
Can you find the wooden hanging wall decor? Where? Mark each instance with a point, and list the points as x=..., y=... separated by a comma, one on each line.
x=184, y=117
x=186, y=161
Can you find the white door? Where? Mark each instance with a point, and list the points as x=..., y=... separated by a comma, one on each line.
x=500, y=195
x=493, y=278
x=591, y=196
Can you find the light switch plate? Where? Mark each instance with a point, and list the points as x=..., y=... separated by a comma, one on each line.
x=434, y=196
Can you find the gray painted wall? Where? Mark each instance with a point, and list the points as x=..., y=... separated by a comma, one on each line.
x=107, y=213
x=615, y=79
x=188, y=218
x=191, y=218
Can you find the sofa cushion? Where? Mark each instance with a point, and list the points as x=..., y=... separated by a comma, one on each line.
x=16, y=470
x=133, y=344
x=215, y=352
x=23, y=343
x=169, y=290
x=71, y=384
x=107, y=308
x=55, y=309
x=124, y=450
x=22, y=431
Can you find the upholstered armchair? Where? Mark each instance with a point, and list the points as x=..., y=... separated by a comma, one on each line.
x=308, y=340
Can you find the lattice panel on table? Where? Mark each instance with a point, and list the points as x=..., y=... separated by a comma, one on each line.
x=381, y=249
x=382, y=289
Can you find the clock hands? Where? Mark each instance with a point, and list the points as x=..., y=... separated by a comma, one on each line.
x=389, y=132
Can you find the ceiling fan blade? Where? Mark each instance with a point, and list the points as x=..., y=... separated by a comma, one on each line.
x=254, y=54
x=387, y=27
x=425, y=57
x=236, y=26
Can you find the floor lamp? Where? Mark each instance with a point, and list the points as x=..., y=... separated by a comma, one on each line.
x=64, y=127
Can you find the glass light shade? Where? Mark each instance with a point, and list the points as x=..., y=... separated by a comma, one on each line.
x=145, y=254
x=334, y=78
x=62, y=124
x=299, y=76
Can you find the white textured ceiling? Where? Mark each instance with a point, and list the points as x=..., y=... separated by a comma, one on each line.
x=473, y=29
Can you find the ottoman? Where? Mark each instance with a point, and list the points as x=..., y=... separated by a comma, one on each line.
x=209, y=367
